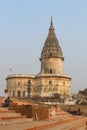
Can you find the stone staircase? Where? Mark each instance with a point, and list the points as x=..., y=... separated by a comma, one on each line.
x=10, y=116
x=10, y=120
x=70, y=123
x=66, y=121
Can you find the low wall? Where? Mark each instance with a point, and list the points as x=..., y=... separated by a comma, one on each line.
x=36, y=112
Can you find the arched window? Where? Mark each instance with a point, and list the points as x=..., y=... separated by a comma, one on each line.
x=50, y=71
x=50, y=82
x=13, y=93
x=18, y=93
x=18, y=83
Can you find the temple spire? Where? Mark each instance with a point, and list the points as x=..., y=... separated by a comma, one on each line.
x=51, y=46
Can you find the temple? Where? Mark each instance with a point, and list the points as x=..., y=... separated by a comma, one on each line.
x=50, y=80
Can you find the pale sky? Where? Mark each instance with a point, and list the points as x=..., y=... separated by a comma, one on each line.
x=24, y=27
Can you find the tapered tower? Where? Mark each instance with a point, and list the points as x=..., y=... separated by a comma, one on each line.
x=51, y=79
x=51, y=55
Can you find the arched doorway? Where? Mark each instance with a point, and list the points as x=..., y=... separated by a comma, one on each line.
x=18, y=93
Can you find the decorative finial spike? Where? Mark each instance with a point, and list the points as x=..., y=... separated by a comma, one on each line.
x=51, y=21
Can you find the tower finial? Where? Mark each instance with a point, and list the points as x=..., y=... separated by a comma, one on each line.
x=51, y=21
